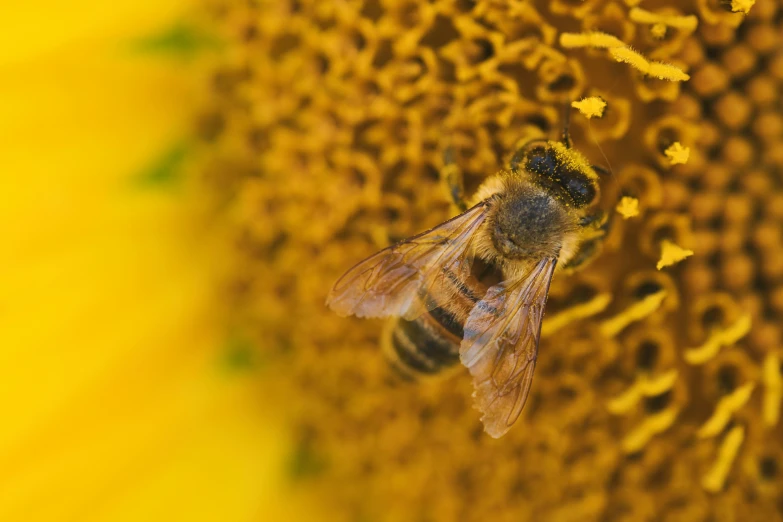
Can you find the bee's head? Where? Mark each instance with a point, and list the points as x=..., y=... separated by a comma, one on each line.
x=561, y=170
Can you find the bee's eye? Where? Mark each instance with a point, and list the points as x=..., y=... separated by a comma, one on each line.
x=549, y=170
x=581, y=189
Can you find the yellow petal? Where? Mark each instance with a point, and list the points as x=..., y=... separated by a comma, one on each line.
x=46, y=28
x=116, y=406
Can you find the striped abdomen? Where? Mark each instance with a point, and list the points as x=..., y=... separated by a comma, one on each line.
x=430, y=343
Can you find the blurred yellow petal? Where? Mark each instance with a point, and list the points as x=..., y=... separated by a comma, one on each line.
x=34, y=29
x=117, y=402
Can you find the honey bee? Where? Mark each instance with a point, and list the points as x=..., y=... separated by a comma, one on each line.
x=473, y=289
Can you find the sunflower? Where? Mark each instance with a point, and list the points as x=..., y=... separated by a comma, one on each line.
x=183, y=182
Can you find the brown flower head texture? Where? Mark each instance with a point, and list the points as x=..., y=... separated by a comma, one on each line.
x=657, y=394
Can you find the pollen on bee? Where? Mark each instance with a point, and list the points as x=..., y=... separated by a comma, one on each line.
x=719, y=338
x=715, y=478
x=660, y=70
x=677, y=154
x=590, y=107
x=671, y=254
x=628, y=207
x=726, y=407
x=642, y=16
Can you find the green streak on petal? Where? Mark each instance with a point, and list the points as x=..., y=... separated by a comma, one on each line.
x=240, y=355
x=306, y=461
x=181, y=40
x=166, y=170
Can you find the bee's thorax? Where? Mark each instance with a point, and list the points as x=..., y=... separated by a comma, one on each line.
x=529, y=224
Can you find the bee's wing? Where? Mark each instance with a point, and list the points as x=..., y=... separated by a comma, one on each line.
x=500, y=345
x=388, y=282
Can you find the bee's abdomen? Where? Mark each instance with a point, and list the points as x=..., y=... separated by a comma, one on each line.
x=419, y=347
x=430, y=343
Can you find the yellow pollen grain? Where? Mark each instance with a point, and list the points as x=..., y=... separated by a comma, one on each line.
x=637, y=311
x=672, y=254
x=677, y=154
x=658, y=31
x=644, y=386
x=717, y=339
x=591, y=107
x=773, y=394
x=642, y=16
x=650, y=427
x=715, y=478
x=660, y=70
x=594, y=39
x=742, y=6
x=628, y=207
x=726, y=407
x=557, y=321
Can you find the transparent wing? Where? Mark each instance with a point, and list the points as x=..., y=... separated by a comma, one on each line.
x=501, y=344
x=388, y=282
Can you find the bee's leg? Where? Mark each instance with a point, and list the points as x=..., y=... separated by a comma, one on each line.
x=596, y=225
x=588, y=251
x=596, y=220
x=451, y=176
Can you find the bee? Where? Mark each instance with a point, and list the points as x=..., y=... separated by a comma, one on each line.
x=473, y=289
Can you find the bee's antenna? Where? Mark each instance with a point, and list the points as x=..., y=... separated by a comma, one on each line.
x=598, y=167
x=566, y=125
